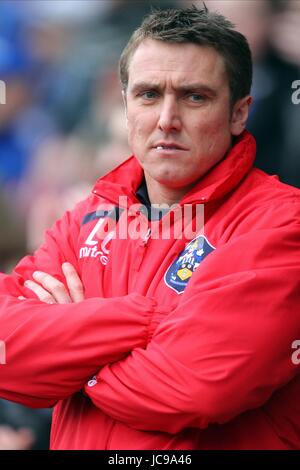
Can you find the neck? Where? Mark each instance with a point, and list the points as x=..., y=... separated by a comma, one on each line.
x=160, y=194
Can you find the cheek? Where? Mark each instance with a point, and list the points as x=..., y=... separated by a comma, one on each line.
x=138, y=130
x=212, y=137
x=132, y=131
x=214, y=123
x=213, y=130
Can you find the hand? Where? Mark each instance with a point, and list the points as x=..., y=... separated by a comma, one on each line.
x=51, y=291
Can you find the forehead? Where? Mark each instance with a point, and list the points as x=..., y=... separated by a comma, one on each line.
x=154, y=59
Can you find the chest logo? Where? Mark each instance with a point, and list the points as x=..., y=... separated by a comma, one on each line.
x=91, y=247
x=181, y=270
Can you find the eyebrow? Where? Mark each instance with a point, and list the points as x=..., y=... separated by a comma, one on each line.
x=182, y=88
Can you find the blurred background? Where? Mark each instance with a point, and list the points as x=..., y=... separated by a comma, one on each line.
x=63, y=125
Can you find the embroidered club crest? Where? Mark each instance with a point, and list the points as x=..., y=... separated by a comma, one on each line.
x=181, y=270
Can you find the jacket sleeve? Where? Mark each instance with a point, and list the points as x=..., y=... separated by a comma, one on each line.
x=224, y=350
x=51, y=350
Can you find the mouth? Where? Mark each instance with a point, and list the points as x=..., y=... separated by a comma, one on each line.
x=169, y=146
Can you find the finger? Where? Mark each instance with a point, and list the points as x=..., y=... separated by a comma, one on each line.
x=40, y=292
x=74, y=282
x=53, y=286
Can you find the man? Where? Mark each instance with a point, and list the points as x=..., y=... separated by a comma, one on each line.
x=167, y=342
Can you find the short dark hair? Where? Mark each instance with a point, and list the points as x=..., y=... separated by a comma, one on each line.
x=197, y=26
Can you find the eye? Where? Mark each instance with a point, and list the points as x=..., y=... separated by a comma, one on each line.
x=148, y=95
x=195, y=97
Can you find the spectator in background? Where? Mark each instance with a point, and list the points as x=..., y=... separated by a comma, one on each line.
x=23, y=125
x=12, y=234
x=22, y=428
x=285, y=29
x=14, y=146
x=285, y=40
x=274, y=119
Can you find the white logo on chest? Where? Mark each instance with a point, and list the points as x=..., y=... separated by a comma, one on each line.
x=90, y=250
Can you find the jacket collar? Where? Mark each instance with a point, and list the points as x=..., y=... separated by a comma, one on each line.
x=125, y=179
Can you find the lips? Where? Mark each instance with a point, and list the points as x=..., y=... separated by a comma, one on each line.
x=168, y=146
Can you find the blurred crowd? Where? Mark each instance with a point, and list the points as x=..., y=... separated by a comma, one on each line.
x=63, y=125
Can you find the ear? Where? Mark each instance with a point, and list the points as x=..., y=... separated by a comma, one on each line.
x=240, y=114
x=125, y=105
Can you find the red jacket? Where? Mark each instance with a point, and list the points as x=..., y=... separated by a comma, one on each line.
x=190, y=342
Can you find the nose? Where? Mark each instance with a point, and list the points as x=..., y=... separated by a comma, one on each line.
x=169, y=118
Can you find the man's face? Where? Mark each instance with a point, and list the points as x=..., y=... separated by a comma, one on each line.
x=178, y=111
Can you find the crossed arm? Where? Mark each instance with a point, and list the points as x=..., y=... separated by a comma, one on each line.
x=209, y=359
x=52, y=350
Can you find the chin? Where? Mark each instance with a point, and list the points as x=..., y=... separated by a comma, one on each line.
x=173, y=183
